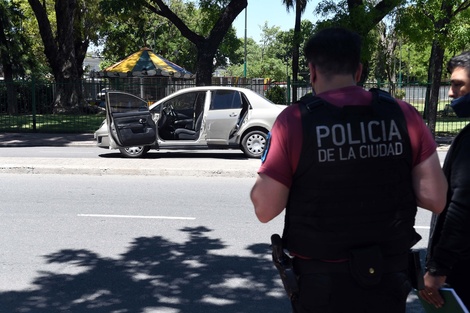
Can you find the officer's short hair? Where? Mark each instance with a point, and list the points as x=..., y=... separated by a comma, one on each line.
x=334, y=51
x=461, y=60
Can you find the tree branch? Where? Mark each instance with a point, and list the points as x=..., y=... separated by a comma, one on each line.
x=462, y=7
x=161, y=9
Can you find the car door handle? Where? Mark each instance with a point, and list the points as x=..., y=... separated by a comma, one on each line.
x=143, y=121
x=233, y=114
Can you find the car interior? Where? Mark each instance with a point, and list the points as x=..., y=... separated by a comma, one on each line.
x=181, y=117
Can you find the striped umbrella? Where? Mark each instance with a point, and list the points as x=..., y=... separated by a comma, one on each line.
x=145, y=63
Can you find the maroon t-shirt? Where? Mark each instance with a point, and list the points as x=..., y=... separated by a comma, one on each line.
x=285, y=147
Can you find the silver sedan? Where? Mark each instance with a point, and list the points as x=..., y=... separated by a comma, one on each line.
x=212, y=117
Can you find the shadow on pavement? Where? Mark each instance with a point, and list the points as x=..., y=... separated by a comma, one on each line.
x=201, y=154
x=156, y=275
x=45, y=139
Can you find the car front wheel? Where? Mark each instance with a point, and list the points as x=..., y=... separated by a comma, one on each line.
x=134, y=152
x=254, y=143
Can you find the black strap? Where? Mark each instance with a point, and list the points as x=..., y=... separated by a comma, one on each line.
x=311, y=266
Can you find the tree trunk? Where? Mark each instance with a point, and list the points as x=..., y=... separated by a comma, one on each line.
x=204, y=74
x=205, y=65
x=206, y=46
x=5, y=59
x=61, y=54
x=295, y=51
x=435, y=65
x=68, y=96
x=437, y=57
x=12, y=101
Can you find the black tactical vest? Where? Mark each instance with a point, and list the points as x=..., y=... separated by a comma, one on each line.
x=353, y=185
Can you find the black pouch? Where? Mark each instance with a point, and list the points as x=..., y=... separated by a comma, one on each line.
x=367, y=265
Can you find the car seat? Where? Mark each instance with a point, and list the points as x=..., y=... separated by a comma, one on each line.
x=190, y=134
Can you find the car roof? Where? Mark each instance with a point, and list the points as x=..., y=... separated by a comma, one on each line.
x=204, y=88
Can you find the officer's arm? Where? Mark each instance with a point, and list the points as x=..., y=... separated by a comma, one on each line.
x=269, y=197
x=430, y=184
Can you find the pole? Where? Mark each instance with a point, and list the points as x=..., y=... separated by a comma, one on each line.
x=244, y=64
x=399, y=65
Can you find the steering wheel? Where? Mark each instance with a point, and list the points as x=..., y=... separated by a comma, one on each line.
x=172, y=111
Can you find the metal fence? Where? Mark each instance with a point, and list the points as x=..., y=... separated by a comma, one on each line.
x=34, y=101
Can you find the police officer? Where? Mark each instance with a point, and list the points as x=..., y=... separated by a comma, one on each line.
x=350, y=166
x=448, y=256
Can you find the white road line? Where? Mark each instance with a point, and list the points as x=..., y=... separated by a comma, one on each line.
x=423, y=227
x=138, y=216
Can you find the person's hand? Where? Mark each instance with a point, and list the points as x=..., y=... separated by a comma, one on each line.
x=430, y=293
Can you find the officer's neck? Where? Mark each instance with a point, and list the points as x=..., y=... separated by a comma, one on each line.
x=336, y=82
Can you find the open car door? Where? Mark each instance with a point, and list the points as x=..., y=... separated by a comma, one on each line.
x=241, y=117
x=129, y=121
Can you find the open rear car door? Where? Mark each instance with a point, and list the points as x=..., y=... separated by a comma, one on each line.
x=129, y=121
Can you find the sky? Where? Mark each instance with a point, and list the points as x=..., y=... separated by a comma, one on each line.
x=271, y=11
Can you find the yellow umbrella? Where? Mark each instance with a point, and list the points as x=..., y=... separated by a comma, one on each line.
x=145, y=63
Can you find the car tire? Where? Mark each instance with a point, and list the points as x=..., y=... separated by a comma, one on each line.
x=134, y=152
x=254, y=143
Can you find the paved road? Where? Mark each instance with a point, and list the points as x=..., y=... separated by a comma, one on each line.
x=181, y=165
x=219, y=164
x=185, y=164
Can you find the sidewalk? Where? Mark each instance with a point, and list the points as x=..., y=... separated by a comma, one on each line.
x=164, y=163
x=46, y=139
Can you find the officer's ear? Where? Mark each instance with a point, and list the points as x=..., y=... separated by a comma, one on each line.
x=358, y=74
x=313, y=73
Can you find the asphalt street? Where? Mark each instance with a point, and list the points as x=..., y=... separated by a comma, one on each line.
x=202, y=167
x=207, y=167
x=172, y=166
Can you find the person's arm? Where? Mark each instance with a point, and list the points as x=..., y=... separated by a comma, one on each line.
x=452, y=245
x=269, y=197
x=430, y=293
x=430, y=184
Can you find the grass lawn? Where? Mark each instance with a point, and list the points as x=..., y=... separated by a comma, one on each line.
x=447, y=123
x=51, y=123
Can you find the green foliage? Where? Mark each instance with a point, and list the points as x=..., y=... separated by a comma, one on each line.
x=261, y=62
x=277, y=94
x=51, y=123
x=132, y=25
x=272, y=57
x=400, y=94
x=14, y=42
x=122, y=27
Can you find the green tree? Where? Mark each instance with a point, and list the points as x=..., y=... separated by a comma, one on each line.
x=361, y=16
x=208, y=40
x=300, y=6
x=269, y=58
x=14, y=45
x=126, y=33
x=65, y=45
x=440, y=24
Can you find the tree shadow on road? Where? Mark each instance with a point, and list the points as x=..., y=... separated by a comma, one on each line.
x=30, y=139
x=156, y=275
x=187, y=154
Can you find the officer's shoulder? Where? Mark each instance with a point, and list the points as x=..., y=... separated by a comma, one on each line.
x=305, y=98
x=382, y=95
x=310, y=101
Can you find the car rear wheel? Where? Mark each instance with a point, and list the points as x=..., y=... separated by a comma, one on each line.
x=134, y=152
x=254, y=143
